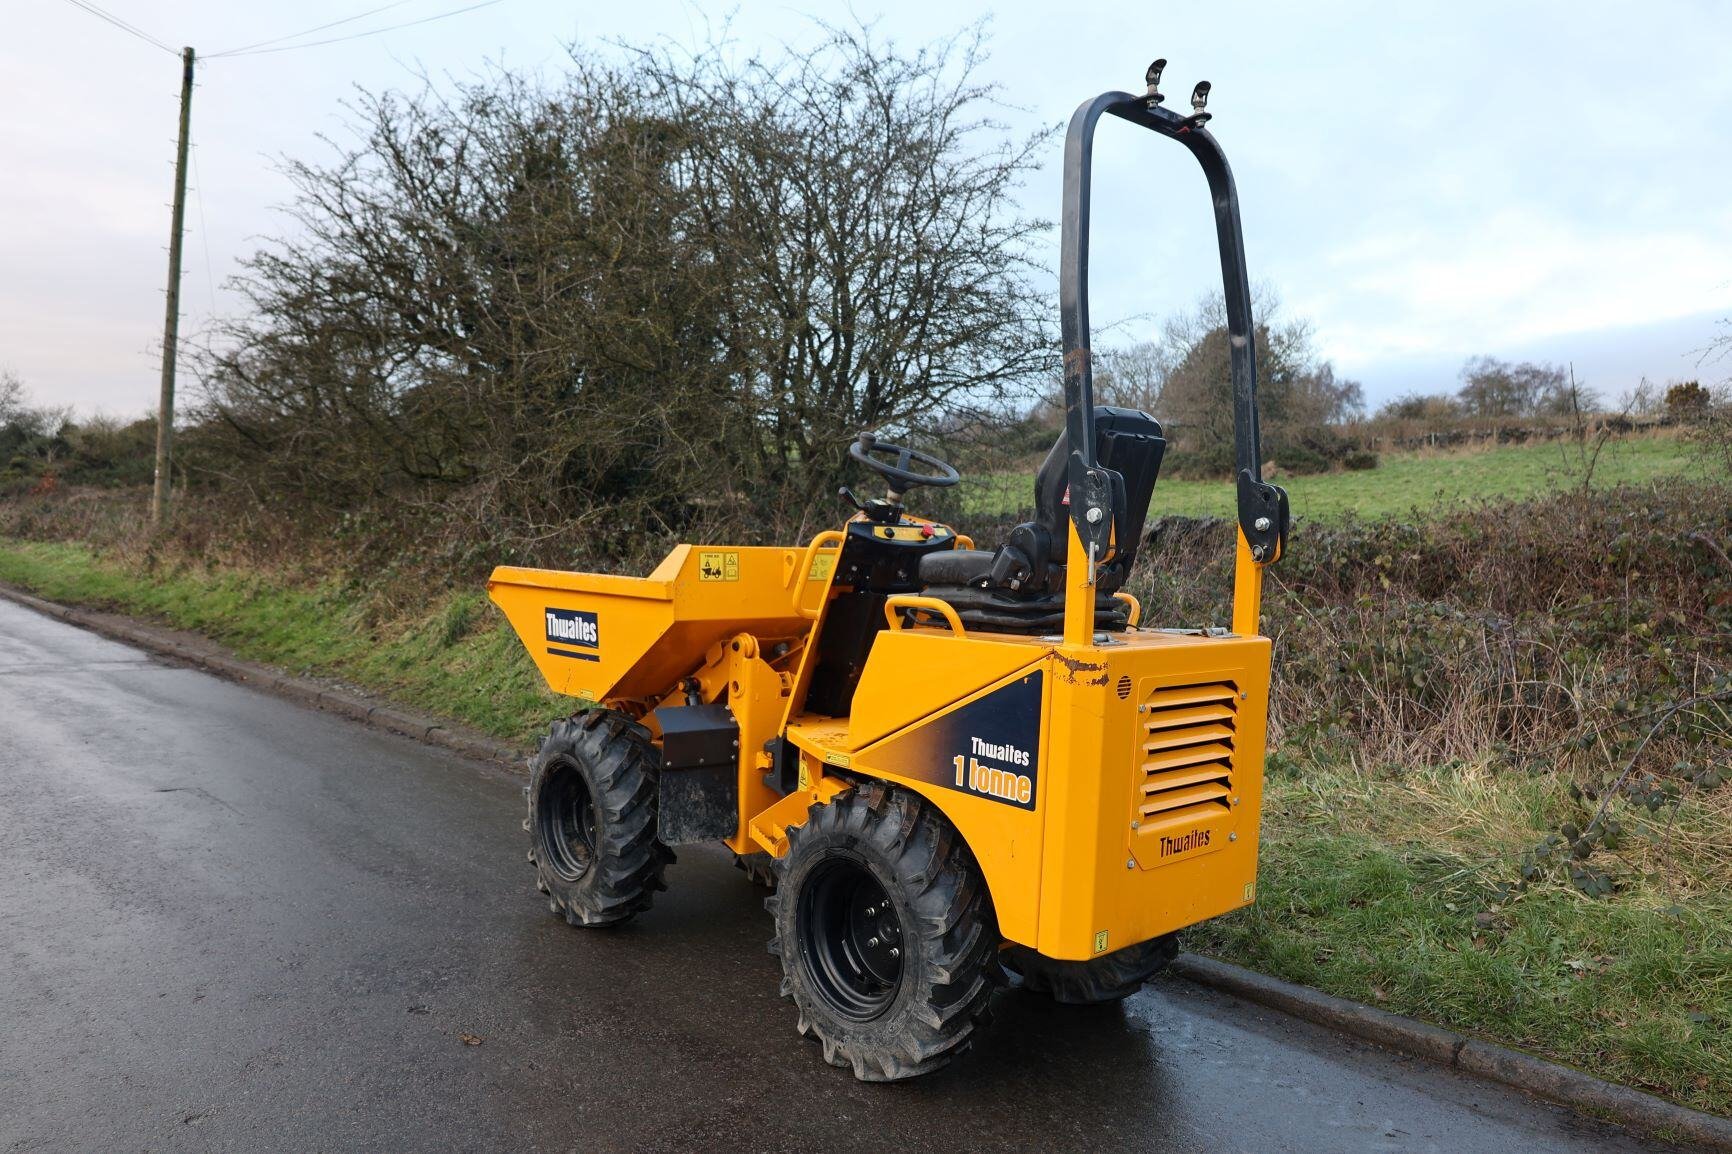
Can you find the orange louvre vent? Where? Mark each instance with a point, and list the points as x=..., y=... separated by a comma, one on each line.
x=1187, y=753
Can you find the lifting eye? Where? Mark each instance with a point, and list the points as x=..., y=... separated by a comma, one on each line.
x=1153, y=79
x=1199, y=103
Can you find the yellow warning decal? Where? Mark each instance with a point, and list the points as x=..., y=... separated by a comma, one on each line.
x=1250, y=891
x=718, y=566
x=823, y=565
x=1101, y=942
x=840, y=759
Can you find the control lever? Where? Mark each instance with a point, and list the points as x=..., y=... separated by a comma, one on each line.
x=877, y=509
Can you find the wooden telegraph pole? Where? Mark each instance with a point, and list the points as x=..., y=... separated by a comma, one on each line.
x=159, y=499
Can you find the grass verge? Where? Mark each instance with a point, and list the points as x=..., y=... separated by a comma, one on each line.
x=1394, y=889
x=457, y=658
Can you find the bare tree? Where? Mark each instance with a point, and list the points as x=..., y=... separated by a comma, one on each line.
x=12, y=396
x=1495, y=388
x=651, y=299
x=861, y=203
x=1133, y=376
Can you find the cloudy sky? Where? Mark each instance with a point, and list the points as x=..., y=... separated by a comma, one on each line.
x=1423, y=181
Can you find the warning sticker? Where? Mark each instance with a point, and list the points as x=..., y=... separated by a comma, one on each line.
x=718, y=566
x=823, y=565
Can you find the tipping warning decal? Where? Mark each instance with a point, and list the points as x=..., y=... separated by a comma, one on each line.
x=719, y=566
x=989, y=747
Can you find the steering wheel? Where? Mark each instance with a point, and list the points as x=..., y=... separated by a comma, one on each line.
x=871, y=452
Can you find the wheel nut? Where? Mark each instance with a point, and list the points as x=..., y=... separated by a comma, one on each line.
x=871, y=911
x=894, y=952
x=872, y=941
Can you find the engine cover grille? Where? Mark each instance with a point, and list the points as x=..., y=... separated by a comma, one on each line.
x=1187, y=754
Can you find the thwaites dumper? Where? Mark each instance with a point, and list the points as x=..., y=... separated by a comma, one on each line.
x=953, y=765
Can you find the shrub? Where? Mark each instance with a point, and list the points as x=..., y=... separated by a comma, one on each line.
x=1359, y=460
x=1203, y=463
x=1687, y=401
x=1541, y=632
x=1300, y=459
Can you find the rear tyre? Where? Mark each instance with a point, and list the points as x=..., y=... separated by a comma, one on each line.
x=1109, y=978
x=886, y=934
x=592, y=819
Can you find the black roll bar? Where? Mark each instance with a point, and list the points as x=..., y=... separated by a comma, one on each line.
x=1262, y=508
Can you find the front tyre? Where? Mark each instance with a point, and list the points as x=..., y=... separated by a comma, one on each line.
x=1109, y=978
x=886, y=934
x=592, y=819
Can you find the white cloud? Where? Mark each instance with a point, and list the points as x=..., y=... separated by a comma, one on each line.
x=1514, y=279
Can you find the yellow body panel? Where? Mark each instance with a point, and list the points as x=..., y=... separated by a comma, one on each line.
x=1006, y=839
x=914, y=672
x=1144, y=837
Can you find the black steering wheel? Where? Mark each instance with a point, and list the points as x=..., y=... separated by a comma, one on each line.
x=871, y=452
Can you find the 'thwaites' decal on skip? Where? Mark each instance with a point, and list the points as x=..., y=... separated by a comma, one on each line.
x=572, y=627
x=989, y=747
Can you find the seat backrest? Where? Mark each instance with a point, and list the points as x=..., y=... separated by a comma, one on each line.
x=1127, y=441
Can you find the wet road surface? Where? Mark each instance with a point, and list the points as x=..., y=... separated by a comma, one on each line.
x=227, y=922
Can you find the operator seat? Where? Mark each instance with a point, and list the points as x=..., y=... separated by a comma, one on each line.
x=1019, y=587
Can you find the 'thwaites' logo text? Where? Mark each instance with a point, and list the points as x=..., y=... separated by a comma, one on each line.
x=573, y=627
x=1184, y=843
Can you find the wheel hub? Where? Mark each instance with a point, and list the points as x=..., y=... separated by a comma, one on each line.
x=851, y=939
x=566, y=817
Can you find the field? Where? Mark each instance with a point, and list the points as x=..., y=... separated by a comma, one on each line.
x=1403, y=481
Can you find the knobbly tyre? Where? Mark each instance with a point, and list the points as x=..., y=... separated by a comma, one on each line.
x=948, y=762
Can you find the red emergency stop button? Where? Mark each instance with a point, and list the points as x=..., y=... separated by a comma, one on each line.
x=926, y=530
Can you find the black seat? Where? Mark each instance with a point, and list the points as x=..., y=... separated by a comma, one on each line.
x=1019, y=587
x=955, y=567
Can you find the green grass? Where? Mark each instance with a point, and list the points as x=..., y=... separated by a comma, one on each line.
x=1395, y=891
x=1402, y=482
x=458, y=659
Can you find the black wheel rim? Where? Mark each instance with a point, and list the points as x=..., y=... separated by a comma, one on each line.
x=851, y=939
x=565, y=817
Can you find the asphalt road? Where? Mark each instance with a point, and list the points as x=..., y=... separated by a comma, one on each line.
x=228, y=923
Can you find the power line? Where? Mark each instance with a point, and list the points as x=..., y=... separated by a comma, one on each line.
x=360, y=35
x=131, y=29
x=309, y=31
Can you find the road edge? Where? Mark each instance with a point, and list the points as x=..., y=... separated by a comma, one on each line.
x=195, y=649
x=1587, y=1095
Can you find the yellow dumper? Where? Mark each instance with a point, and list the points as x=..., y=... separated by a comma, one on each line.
x=953, y=764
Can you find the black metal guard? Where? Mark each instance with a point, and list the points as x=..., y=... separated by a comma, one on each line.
x=1262, y=507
